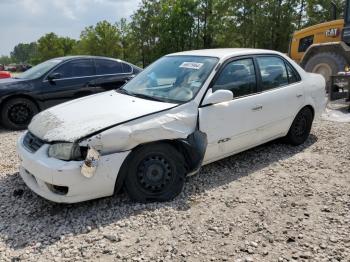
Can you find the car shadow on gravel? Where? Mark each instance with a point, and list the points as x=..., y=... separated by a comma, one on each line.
x=27, y=220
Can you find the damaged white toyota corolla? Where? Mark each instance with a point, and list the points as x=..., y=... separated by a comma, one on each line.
x=184, y=111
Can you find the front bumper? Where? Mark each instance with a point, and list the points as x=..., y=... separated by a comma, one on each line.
x=62, y=181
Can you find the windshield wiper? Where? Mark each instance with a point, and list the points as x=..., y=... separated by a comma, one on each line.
x=124, y=91
x=147, y=97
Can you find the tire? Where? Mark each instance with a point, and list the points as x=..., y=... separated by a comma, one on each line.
x=300, y=128
x=326, y=64
x=17, y=113
x=154, y=173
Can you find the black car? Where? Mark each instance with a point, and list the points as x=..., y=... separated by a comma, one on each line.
x=56, y=81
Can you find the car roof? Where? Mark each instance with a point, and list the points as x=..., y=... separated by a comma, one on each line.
x=225, y=52
x=72, y=57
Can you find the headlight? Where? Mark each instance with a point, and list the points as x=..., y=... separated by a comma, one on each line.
x=65, y=151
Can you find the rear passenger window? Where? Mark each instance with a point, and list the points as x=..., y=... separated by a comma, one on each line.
x=273, y=72
x=293, y=77
x=238, y=77
x=108, y=67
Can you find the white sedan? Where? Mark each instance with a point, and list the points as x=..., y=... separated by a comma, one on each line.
x=184, y=111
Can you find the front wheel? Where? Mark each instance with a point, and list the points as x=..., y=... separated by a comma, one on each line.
x=17, y=113
x=155, y=173
x=301, y=127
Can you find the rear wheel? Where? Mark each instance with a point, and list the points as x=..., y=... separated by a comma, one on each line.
x=326, y=64
x=155, y=173
x=301, y=127
x=17, y=113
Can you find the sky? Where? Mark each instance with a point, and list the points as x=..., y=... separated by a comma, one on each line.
x=25, y=21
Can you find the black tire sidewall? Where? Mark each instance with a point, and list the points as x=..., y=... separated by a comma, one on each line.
x=177, y=164
x=292, y=138
x=8, y=105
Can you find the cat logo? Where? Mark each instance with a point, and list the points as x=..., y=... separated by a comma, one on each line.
x=333, y=32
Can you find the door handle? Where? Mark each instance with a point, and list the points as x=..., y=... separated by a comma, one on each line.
x=257, y=108
x=299, y=95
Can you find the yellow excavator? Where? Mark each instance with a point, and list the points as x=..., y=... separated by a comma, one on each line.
x=324, y=48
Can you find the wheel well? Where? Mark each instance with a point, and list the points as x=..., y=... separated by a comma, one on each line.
x=339, y=48
x=19, y=96
x=174, y=143
x=177, y=144
x=312, y=110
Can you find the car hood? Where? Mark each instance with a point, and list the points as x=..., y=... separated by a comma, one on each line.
x=82, y=117
x=5, y=82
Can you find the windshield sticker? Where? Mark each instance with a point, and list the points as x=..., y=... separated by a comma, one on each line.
x=191, y=65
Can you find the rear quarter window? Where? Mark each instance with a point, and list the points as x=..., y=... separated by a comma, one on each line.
x=293, y=76
x=126, y=68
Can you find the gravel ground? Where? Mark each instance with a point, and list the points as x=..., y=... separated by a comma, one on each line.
x=272, y=203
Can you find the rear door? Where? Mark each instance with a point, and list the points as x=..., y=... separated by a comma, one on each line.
x=111, y=74
x=281, y=96
x=74, y=81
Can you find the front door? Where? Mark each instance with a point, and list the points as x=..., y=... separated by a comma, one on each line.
x=74, y=81
x=231, y=126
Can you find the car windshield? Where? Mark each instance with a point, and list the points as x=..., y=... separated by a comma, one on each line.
x=174, y=79
x=40, y=69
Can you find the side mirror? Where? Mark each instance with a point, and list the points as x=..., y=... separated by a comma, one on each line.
x=219, y=96
x=54, y=76
x=129, y=78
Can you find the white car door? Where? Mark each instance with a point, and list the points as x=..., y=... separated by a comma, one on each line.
x=280, y=99
x=231, y=126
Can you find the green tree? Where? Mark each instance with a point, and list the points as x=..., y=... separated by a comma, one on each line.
x=51, y=46
x=124, y=36
x=5, y=60
x=68, y=45
x=159, y=27
x=24, y=53
x=102, y=39
x=319, y=11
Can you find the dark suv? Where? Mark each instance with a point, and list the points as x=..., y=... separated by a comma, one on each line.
x=56, y=81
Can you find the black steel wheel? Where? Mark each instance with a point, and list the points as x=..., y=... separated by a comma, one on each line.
x=17, y=113
x=154, y=173
x=301, y=127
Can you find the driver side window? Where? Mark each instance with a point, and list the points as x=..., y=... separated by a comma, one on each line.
x=76, y=68
x=238, y=77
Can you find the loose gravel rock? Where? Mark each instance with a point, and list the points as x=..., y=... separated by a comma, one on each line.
x=272, y=203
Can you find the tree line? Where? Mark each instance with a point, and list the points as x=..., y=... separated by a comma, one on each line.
x=159, y=27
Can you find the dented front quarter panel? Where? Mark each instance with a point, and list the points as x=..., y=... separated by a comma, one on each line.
x=176, y=123
x=69, y=122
